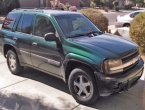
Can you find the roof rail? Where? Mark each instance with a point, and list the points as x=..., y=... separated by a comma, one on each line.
x=29, y=9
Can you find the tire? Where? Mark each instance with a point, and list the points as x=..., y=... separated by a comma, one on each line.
x=83, y=86
x=13, y=63
x=126, y=25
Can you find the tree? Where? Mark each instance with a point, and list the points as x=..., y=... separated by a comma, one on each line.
x=9, y=5
x=107, y=3
x=116, y=5
x=136, y=1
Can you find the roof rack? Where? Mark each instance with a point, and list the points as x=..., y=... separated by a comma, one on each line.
x=30, y=9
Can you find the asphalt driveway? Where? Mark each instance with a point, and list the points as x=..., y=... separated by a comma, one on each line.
x=34, y=90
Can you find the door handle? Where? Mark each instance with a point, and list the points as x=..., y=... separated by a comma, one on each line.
x=15, y=38
x=34, y=44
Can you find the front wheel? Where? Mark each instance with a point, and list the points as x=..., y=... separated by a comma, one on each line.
x=13, y=62
x=82, y=86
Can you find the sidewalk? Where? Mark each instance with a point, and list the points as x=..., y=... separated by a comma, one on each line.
x=123, y=31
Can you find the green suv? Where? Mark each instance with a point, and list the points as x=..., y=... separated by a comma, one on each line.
x=69, y=46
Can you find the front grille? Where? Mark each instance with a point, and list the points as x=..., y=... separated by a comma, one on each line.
x=128, y=58
x=129, y=67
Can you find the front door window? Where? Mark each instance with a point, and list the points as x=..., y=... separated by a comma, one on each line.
x=43, y=26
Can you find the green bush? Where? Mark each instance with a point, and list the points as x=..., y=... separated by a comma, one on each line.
x=137, y=31
x=97, y=18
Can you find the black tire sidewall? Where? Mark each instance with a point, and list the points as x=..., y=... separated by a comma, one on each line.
x=87, y=73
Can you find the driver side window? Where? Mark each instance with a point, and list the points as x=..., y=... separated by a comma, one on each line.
x=43, y=26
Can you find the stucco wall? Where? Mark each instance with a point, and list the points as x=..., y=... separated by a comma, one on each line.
x=29, y=3
x=41, y=3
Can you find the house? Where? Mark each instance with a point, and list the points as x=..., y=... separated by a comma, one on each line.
x=31, y=3
x=44, y=3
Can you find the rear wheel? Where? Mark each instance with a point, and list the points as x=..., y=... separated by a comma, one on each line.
x=13, y=62
x=82, y=86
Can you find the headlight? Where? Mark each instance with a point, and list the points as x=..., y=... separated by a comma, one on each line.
x=110, y=66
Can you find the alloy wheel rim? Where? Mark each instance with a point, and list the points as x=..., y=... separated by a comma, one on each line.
x=12, y=62
x=83, y=87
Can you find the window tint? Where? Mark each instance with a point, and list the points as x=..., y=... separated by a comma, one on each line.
x=43, y=26
x=75, y=24
x=135, y=14
x=18, y=28
x=10, y=20
x=26, y=24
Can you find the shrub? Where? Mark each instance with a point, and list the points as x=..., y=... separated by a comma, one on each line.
x=81, y=3
x=67, y=6
x=61, y=6
x=106, y=9
x=129, y=5
x=137, y=31
x=73, y=8
x=97, y=18
x=92, y=4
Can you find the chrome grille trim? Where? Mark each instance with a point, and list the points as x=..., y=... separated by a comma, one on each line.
x=129, y=63
x=130, y=56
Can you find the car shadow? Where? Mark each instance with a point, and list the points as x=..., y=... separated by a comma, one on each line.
x=45, y=79
x=129, y=100
x=15, y=101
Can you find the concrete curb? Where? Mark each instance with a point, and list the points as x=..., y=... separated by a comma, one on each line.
x=123, y=31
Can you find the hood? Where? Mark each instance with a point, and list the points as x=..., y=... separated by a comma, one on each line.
x=111, y=43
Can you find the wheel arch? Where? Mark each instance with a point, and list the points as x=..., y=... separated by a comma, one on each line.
x=8, y=47
x=126, y=24
x=73, y=60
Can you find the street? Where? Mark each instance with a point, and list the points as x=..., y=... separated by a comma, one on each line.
x=113, y=15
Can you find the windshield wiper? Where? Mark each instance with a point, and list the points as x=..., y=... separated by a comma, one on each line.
x=76, y=35
x=93, y=32
x=85, y=34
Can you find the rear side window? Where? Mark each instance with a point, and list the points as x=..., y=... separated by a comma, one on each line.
x=10, y=21
x=25, y=24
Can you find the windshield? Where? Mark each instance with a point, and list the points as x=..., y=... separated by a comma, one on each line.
x=74, y=25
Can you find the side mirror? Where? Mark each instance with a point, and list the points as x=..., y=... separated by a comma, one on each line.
x=50, y=37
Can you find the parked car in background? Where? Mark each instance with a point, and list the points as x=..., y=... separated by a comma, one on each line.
x=69, y=46
x=125, y=20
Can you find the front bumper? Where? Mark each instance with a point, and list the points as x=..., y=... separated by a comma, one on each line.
x=108, y=85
